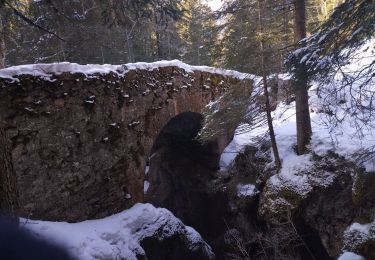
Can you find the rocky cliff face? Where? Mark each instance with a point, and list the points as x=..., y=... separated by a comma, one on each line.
x=80, y=142
x=287, y=218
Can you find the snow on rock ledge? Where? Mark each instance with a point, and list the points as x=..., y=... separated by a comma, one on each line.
x=46, y=70
x=296, y=182
x=124, y=235
x=360, y=238
x=246, y=190
x=350, y=256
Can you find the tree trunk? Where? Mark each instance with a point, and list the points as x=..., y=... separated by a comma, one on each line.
x=130, y=48
x=2, y=39
x=301, y=83
x=160, y=47
x=266, y=94
x=8, y=182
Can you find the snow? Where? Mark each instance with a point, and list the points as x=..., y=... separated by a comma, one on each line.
x=358, y=234
x=246, y=190
x=362, y=228
x=146, y=185
x=350, y=256
x=47, y=70
x=117, y=236
x=214, y=4
x=342, y=139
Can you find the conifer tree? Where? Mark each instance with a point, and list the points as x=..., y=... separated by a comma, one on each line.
x=197, y=33
x=327, y=51
x=300, y=82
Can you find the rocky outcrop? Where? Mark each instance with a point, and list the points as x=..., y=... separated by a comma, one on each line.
x=360, y=238
x=184, y=244
x=324, y=203
x=81, y=140
x=307, y=214
x=316, y=204
x=141, y=232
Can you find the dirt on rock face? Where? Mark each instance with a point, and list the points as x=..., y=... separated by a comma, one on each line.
x=80, y=143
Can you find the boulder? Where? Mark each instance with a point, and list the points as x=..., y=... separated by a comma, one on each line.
x=141, y=232
x=360, y=238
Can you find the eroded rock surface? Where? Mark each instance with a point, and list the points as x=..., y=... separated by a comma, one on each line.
x=360, y=238
x=317, y=204
x=80, y=142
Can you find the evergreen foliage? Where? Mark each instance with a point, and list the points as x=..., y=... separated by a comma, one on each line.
x=328, y=53
x=332, y=45
x=122, y=31
x=225, y=114
x=116, y=31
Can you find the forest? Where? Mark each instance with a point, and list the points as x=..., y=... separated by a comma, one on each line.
x=118, y=32
x=187, y=129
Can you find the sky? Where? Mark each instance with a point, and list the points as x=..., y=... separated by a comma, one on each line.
x=214, y=4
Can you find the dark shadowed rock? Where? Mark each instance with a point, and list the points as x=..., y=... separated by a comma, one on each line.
x=360, y=238
x=326, y=204
x=177, y=246
x=180, y=175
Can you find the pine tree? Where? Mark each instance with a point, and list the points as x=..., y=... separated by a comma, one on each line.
x=300, y=83
x=332, y=47
x=197, y=33
x=265, y=87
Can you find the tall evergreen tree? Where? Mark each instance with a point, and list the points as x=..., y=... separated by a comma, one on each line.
x=300, y=82
x=261, y=31
x=326, y=52
x=197, y=31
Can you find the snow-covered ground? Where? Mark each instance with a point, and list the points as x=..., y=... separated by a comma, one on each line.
x=117, y=236
x=343, y=139
x=47, y=70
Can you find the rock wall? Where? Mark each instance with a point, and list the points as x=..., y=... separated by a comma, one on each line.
x=330, y=211
x=80, y=143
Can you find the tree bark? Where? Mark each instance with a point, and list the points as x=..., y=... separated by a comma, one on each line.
x=266, y=94
x=301, y=83
x=2, y=39
x=160, y=47
x=8, y=182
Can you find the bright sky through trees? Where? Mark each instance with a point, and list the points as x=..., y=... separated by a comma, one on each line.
x=214, y=4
